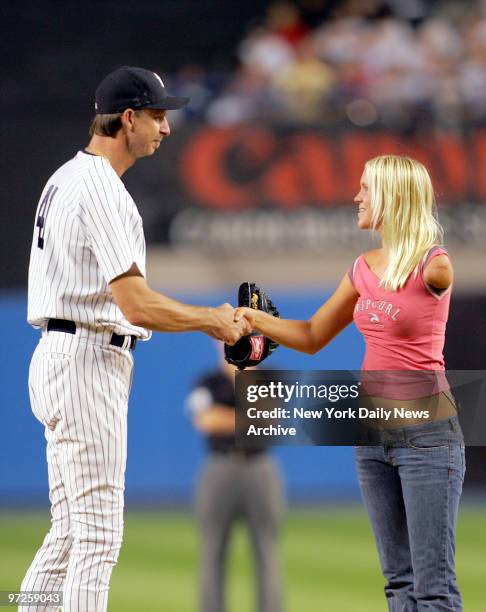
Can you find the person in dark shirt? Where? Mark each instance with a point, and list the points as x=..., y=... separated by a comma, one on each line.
x=235, y=483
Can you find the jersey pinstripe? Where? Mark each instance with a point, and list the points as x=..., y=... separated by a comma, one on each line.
x=79, y=391
x=87, y=232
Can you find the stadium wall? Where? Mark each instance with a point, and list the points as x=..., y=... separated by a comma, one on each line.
x=164, y=451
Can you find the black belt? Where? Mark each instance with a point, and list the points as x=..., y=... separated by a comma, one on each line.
x=69, y=327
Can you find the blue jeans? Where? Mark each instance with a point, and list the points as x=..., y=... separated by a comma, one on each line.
x=411, y=483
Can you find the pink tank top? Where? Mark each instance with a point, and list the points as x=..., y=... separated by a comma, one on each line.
x=404, y=329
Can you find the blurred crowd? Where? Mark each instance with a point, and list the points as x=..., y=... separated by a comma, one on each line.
x=392, y=63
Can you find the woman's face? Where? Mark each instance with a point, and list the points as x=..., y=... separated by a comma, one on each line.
x=362, y=200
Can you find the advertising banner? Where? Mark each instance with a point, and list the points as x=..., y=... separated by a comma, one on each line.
x=275, y=188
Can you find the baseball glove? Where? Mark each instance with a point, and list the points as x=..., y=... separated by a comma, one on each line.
x=254, y=348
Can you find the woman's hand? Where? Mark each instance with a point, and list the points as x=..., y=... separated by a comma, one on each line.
x=250, y=314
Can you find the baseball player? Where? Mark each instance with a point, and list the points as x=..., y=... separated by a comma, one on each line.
x=89, y=297
x=235, y=483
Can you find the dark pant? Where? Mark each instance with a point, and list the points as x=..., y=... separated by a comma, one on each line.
x=233, y=486
x=411, y=483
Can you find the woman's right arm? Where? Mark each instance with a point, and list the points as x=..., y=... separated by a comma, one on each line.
x=308, y=336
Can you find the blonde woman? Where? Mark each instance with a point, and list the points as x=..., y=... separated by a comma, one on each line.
x=398, y=296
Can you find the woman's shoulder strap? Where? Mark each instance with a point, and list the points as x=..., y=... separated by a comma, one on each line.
x=352, y=269
x=433, y=252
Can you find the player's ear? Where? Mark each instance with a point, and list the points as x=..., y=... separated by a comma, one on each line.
x=128, y=118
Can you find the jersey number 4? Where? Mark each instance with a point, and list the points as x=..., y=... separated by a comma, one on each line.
x=43, y=212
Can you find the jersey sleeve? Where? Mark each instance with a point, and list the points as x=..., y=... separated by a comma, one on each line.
x=114, y=231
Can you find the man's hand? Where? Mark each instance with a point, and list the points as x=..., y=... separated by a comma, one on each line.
x=224, y=327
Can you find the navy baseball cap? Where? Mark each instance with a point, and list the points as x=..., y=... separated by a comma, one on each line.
x=131, y=87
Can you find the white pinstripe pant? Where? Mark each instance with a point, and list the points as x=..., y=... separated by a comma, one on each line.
x=79, y=390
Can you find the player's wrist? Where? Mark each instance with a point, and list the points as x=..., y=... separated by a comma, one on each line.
x=210, y=319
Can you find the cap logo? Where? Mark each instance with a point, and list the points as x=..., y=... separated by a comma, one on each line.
x=159, y=79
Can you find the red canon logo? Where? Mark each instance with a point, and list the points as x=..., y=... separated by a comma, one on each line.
x=249, y=167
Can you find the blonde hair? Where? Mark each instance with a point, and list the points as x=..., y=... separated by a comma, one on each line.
x=403, y=208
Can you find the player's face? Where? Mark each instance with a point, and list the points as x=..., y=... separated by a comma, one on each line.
x=363, y=201
x=150, y=127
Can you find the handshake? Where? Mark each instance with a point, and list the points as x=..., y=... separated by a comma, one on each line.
x=244, y=346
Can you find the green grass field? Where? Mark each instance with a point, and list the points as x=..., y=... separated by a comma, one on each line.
x=329, y=561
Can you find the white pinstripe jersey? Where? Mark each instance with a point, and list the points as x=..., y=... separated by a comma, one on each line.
x=87, y=232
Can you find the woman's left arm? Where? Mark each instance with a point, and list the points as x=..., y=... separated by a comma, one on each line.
x=439, y=273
